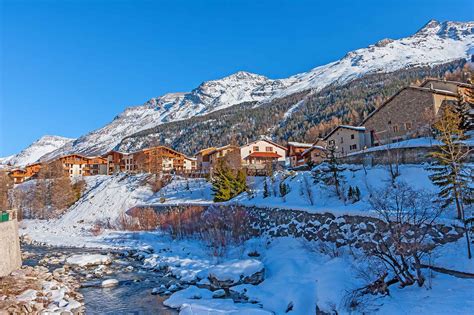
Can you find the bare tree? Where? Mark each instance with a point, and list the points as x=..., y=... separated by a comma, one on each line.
x=409, y=216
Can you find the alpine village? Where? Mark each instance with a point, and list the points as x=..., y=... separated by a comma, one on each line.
x=347, y=189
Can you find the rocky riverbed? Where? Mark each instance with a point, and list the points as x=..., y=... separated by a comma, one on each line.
x=82, y=280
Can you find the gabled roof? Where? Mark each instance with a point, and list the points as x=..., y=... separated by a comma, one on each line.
x=299, y=144
x=229, y=146
x=355, y=128
x=314, y=147
x=411, y=87
x=268, y=141
x=446, y=81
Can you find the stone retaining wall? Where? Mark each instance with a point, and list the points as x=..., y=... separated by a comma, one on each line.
x=354, y=230
x=10, y=255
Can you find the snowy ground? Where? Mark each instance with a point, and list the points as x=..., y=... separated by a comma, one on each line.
x=298, y=276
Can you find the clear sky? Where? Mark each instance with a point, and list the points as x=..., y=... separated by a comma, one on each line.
x=68, y=67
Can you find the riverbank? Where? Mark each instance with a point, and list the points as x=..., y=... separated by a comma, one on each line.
x=110, y=283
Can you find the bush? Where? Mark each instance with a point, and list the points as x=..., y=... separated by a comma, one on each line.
x=217, y=226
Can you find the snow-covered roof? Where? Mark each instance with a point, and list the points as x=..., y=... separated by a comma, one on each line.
x=312, y=148
x=300, y=144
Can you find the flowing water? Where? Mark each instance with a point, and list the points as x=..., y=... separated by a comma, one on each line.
x=131, y=296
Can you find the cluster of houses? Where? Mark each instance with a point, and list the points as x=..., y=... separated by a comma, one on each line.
x=407, y=114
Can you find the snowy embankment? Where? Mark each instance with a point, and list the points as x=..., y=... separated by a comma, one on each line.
x=105, y=199
x=298, y=275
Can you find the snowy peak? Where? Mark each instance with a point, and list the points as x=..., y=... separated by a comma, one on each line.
x=448, y=29
x=36, y=150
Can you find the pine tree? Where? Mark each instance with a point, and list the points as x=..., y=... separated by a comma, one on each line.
x=226, y=184
x=463, y=108
x=330, y=172
x=450, y=173
x=266, y=193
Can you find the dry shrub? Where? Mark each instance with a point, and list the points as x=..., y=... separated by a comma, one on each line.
x=146, y=218
x=127, y=223
x=158, y=181
x=217, y=226
x=181, y=222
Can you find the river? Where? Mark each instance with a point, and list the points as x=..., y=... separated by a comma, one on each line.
x=131, y=296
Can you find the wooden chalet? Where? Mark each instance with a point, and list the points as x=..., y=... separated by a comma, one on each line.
x=295, y=150
x=159, y=159
x=18, y=175
x=202, y=160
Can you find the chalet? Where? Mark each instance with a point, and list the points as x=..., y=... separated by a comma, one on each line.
x=263, y=151
x=32, y=169
x=74, y=164
x=18, y=175
x=156, y=160
x=115, y=162
x=411, y=111
x=346, y=139
x=295, y=150
x=202, y=160
x=316, y=153
x=190, y=164
x=95, y=166
x=229, y=153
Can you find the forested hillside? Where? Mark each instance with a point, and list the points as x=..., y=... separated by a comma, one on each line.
x=299, y=117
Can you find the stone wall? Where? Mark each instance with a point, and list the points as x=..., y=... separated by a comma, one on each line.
x=415, y=155
x=354, y=230
x=10, y=255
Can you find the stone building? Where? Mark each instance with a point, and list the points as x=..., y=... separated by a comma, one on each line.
x=411, y=111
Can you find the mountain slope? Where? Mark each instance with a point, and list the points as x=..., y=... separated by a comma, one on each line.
x=436, y=43
x=36, y=150
x=280, y=118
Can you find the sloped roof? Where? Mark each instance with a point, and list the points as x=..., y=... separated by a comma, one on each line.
x=263, y=155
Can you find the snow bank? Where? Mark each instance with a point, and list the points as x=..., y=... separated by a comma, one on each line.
x=236, y=270
x=197, y=301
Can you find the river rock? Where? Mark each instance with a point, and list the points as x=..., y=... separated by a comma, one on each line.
x=109, y=283
x=235, y=272
x=218, y=294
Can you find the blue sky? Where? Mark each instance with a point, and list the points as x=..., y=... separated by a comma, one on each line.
x=68, y=67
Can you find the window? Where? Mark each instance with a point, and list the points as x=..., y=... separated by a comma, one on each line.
x=269, y=149
x=331, y=142
x=255, y=148
x=352, y=136
x=342, y=140
x=395, y=128
x=408, y=126
x=353, y=147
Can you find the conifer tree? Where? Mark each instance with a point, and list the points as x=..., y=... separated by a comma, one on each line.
x=266, y=193
x=226, y=184
x=450, y=173
x=463, y=107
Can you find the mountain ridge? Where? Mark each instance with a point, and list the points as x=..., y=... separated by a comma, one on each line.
x=435, y=43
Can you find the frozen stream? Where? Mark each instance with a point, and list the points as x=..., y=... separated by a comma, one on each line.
x=131, y=296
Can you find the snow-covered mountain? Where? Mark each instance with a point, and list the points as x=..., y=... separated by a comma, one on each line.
x=435, y=43
x=36, y=150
